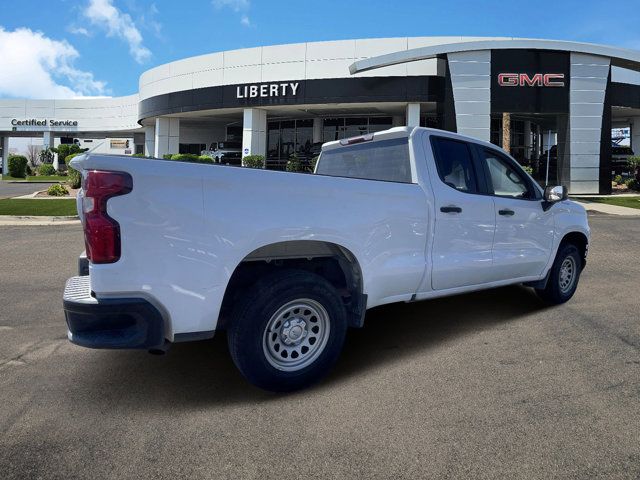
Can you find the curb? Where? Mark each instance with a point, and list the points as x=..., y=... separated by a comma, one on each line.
x=14, y=220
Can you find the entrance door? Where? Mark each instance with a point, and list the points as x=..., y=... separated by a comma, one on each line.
x=524, y=231
x=465, y=220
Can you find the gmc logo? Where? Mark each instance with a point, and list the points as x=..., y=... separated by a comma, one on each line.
x=537, y=80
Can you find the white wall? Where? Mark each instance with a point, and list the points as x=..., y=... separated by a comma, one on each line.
x=92, y=114
x=298, y=61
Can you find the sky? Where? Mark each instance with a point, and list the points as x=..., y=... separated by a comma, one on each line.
x=67, y=49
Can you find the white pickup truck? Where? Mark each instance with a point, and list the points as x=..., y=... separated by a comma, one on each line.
x=285, y=262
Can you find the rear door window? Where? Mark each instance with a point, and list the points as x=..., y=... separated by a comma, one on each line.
x=386, y=160
x=454, y=162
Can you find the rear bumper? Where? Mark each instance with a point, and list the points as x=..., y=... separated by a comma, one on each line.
x=115, y=323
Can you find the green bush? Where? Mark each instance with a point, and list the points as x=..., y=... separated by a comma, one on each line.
x=190, y=157
x=184, y=157
x=632, y=184
x=75, y=179
x=253, y=161
x=18, y=166
x=141, y=155
x=46, y=169
x=617, y=179
x=29, y=171
x=66, y=150
x=294, y=164
x=167, y=156
x=313, y=162
x=528, y=169
x=57, y=190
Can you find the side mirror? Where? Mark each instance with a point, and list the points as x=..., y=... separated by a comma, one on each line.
x=555, y=193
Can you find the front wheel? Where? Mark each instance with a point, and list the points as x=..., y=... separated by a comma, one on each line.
x=288, y=331
x=564, y=276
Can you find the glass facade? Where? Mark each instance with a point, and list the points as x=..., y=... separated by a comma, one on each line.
x=286, y=137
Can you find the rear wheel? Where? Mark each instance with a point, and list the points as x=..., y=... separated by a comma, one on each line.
x=564, y=276
x=288, y=331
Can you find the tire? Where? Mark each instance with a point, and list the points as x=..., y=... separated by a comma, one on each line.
x=560, y=287
x=288, y=331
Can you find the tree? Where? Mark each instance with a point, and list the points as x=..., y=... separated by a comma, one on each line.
x=65, y=150
x=33, y=154
x=46, y=155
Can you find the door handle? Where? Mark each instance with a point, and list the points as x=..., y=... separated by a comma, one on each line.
x=451, y=209
x=506, y=212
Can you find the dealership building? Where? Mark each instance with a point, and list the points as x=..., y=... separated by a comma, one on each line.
x=543, y=100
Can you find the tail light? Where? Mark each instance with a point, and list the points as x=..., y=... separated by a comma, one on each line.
x=101, y=232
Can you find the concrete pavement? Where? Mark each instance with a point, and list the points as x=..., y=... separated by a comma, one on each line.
x=488, y=385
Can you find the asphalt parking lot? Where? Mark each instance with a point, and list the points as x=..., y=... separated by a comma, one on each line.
x=15, y=189
x=487, y=385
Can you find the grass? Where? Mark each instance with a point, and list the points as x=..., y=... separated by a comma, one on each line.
x=28, y=207
x=39, y=178
x=632, y=202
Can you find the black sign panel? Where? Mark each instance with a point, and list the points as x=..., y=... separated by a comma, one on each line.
x=529, y=81
x=297, y=92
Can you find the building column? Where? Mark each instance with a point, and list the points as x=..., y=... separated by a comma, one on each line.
x=634, y=123
x=167, y=136
x=413, y=115
x=528, y=154
x=150, y=141
x=471, y=84
x=254, y=132
x=5, y=155
x=317, y=130
x=587, y=88
x=506, y=132
x=48, y=142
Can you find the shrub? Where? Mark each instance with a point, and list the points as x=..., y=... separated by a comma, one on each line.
x=57, y=190
x=184, y=157
x=528, y=169
x=29, y=171
x=75, y=179
x=634, y=166
x=632, y=184
x=205, y=159
x=167, y=156
x=313, y=162
x=294, y=164
x=253, y=161
x=46, y=169
x=18, y=166
x=140, y=155
x=617, y=179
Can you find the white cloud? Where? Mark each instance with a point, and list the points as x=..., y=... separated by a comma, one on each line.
x=238, y=6
x=235, y=5
x=78, y=30
x=35, y=66
x=103, y=14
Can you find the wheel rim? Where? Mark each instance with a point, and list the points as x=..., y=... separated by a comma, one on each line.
x=567, y=274
x=296, y=334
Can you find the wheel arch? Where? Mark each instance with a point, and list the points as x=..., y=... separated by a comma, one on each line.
x=332, y=261
x=580, y=240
